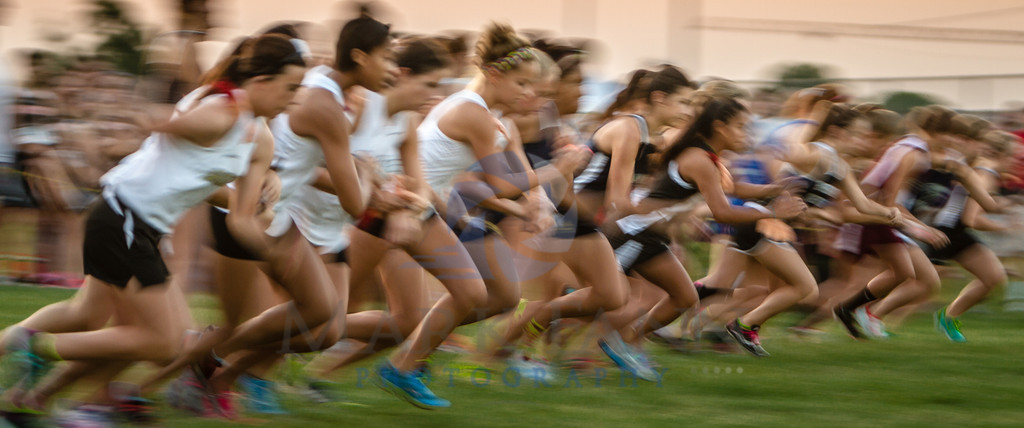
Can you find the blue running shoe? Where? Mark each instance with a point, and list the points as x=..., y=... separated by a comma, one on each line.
x=949, y=326
x=408, y=387
x=623, y=356
x=260, y=395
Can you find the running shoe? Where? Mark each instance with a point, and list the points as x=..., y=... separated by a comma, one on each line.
x=538, y=370
x=293, y=370
x=136, y=411
x=625, y=357
x=806, y=333
x=871, y=324
x=949, y=326
x=22, y=420
x=260, y=395
x=845, y=318
x=747, y=338
x=224, y=405
x=22, y=368
x=187, y=394
x=408, y=387
x=651, y=374
x=87, y=416
x=323, y=391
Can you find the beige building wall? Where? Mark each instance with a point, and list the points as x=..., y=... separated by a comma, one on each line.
x=725, y=38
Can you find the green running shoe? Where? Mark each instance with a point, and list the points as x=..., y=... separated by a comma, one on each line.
x=949, y=326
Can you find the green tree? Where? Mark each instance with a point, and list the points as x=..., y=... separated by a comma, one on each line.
x=902, y=102
x=122, y=37
x=800, y=76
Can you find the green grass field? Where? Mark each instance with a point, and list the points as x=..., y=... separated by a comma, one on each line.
x=916, y=378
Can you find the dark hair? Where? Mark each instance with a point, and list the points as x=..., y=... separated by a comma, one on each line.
x=839, y=115
x=636, y=89
x=284, y=29
x=423, y=56
x=497, y=41
x=455, y=45
x=703, y=126
x=190, y=6
x=363, y=33
x=570, y=64
x=932, y=119
x=970, y=126
x=886, y=123
x=257, y=56
x=668, y=81
x=556, y=51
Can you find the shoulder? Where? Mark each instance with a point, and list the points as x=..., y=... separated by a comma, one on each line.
x=318, y=107
x=468, y=120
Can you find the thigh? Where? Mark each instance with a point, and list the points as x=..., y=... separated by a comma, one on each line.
x=404, y=283
x=983, y=263
x=784, y=262
x=924, y=270
x=667, y=272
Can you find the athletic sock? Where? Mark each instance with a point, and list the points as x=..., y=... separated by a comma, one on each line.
x=859, y=299
x=744, y=326
x=44, y=345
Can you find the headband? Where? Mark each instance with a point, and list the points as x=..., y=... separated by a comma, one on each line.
x=511, y=60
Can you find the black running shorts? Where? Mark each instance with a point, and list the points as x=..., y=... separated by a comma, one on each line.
x=107, y=255
x=637, y=249
x=223, y=242
x=960, y=239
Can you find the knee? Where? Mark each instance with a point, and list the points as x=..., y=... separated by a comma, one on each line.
x=406, y=323
x=617, y=300
x=997, y=280
x=331, y=336
x=902, y=276
x=929, y=285
x=471, y=296
x=316, y=313
x=163, y=350
x=806, y=290
x=613, y=299
x=505, y=301
x=809, y=294
x=684, y=300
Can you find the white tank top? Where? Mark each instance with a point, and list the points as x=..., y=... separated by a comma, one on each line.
x=887, y=165
x=167, y=175
x=444, y=158
x=380, y=136
x=319, y=215
x=296, y=157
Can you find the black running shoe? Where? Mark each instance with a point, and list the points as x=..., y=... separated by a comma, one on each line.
x=845, y=318
x=747, y=338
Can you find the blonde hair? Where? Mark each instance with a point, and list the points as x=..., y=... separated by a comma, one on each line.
x=721, y=88
x=500, y=42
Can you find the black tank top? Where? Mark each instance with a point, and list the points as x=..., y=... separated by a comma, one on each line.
x=595, y=176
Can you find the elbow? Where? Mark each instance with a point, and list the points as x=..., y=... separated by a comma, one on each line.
x=504, y=190
x=356, y=211
x=354, y=208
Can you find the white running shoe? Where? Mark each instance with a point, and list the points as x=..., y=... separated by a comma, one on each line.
x=872, y=325
x=538, y=370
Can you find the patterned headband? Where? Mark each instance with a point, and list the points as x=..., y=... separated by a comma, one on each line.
x=511, y=60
